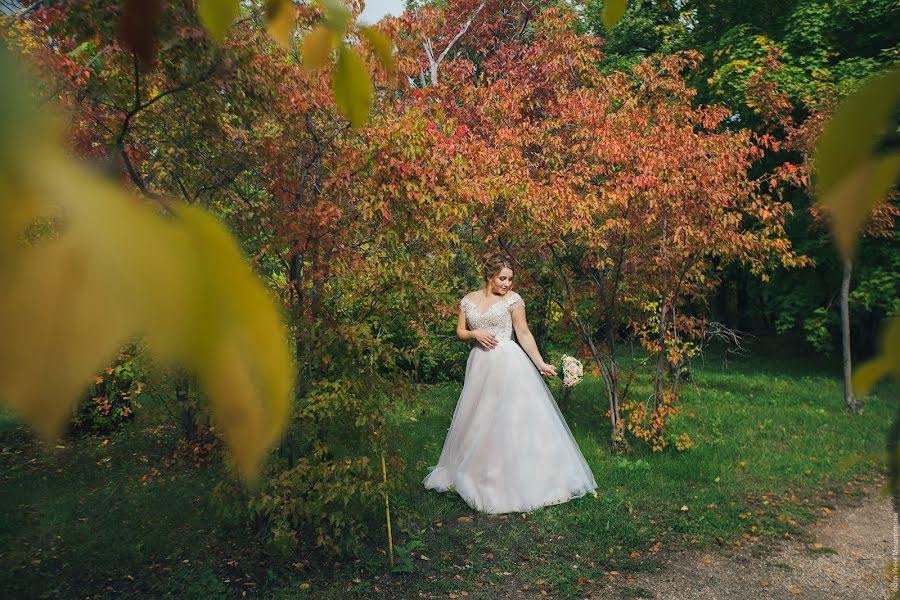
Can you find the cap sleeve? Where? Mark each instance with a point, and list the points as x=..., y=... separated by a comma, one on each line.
x=465, y=303
x=515, y=300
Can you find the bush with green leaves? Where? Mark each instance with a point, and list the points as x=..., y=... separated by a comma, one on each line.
x=112, y=400
x=323, y=489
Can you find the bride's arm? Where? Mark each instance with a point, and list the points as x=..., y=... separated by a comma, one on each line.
x=463, y=332
x=526, y=340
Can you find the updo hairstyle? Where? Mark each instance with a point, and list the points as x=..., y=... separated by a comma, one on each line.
x=494, y=262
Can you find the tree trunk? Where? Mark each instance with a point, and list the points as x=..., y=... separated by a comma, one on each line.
x=660, y=355
x=612, y=376
x=187, y=408
x=850, y=402
x=434, y=62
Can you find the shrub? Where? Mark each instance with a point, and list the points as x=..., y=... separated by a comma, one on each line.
x=111, y=401
x=322, y=490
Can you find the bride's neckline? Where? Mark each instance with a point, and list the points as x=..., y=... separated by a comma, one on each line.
x=492, y=305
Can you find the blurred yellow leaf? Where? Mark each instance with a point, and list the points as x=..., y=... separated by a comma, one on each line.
x=887, y=361
x=280, y=21
x=248, y=371
x=851, y=200
x=316, y=47
x=382, y=46
x=337, y=16
x=115, y=268
x=217, y=16
x=612, y=12
x=851, y=177
x=352, y=87
x=60, y=322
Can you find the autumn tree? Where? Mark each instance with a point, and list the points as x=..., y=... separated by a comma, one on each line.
x=615, y=189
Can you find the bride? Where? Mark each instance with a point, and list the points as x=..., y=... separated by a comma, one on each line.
x=508, y=448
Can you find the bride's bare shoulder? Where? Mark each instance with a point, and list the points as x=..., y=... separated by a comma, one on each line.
x=467, y=299
x=514, y=300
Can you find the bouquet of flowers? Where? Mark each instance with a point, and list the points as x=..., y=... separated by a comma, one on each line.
x=572, y=371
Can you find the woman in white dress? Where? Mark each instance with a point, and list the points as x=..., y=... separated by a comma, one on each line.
x=509, y=448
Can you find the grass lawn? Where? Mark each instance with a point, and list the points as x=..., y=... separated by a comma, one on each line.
x=773, y=448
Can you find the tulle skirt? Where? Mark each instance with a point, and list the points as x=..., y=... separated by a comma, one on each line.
x=509, y=448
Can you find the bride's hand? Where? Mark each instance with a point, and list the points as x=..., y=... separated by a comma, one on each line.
x=487, y=339
x=548, y=370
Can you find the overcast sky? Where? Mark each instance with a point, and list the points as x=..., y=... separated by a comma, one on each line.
x=375, y=9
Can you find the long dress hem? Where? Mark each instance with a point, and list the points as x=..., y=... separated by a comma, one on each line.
x=439, y=473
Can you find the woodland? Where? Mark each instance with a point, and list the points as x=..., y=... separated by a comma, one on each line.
x=235, y=236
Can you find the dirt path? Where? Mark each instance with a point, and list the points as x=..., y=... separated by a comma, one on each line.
x=844, y=555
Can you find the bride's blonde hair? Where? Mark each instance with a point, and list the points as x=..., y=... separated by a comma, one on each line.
x=494, y=262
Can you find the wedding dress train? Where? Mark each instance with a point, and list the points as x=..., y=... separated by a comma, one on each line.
x=508, y=448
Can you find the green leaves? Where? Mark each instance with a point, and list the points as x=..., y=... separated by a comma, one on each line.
x=352, y=88
x=217, y=16
x=613, y=10
x=851, y=176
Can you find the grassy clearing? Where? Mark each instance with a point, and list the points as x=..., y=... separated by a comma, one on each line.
x=774, y=449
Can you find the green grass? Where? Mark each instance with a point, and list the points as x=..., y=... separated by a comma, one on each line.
x=773, y=447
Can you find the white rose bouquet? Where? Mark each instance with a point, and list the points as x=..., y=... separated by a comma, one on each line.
x=572, y=371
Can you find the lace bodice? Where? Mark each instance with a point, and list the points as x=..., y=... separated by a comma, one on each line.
x=496, y=318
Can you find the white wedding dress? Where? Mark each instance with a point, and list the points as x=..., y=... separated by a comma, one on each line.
x=509, y=448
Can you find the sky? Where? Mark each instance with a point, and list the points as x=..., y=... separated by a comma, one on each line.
x=375, y=9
